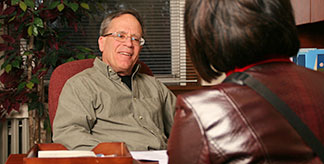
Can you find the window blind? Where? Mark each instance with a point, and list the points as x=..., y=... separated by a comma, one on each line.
x=164, y=50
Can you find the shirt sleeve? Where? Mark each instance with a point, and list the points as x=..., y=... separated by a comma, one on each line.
x=75, y=117
x=168, y=109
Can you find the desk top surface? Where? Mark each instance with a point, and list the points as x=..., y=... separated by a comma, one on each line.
x=18, y=159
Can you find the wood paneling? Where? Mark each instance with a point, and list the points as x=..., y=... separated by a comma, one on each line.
x=302, y=10
x=317, y=11
x=308, y=11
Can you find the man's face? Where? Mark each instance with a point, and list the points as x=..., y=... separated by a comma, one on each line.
x=121, y=56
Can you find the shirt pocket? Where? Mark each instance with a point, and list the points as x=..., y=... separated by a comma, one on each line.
x=149, y=110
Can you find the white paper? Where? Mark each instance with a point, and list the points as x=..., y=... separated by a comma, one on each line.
x=156, y=155
x=65, y=153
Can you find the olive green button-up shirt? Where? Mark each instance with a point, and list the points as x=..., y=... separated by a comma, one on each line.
x=96, y=106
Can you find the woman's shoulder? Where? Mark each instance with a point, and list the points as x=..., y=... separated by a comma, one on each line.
x=212, y=92
x=208, y=99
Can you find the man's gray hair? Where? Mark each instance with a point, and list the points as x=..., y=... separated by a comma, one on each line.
x=105, y=23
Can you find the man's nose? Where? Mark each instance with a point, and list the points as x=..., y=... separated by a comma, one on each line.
x=129, y=42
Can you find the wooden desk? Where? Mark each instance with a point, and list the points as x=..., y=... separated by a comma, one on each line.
x=18, y=159
x=120, y=149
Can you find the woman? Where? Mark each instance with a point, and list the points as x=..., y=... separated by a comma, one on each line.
x=231, y=123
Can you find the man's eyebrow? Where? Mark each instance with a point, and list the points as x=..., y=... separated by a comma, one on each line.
x=123, y=32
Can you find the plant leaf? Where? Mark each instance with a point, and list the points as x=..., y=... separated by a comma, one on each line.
x=11, y=19
x=84, y=49
x=32, y=105
x=35, y=80
x=91, y=56
x=40, y=108
x=53, y=59
x=30, y=3
x=35, y=31
x=9, y=10
x=70, y=59
x=54, y=4
x=80, y=56
x=50, y=59
x=38, y=22
x=15, y=63
x=14, y=2
x=2, y=48
x=26, y=53
x=60, y=7
x=85, y=5
x=8, y=38
x=21, y=86
x=8, y=68
x=30, y=30
x=65, y=2
x=23, y=6
x=30, y=85
x=74, y=6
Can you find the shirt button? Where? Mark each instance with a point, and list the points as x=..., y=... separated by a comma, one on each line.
x=140, y=117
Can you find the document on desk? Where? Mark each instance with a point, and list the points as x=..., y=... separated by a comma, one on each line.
x=156, y=155
x=65, y=153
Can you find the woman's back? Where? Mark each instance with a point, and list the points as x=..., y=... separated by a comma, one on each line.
x=230, y=123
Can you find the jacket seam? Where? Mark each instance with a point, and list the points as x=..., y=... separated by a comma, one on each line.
x=249, y=125
x=202, y=131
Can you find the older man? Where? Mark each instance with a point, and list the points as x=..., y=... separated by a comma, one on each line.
x=111, y=101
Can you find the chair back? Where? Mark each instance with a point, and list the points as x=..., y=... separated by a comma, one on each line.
x=65, y=71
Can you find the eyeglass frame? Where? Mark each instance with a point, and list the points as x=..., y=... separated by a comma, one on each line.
x=115, y=36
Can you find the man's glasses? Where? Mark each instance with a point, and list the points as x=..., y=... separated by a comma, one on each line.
x=121, y=37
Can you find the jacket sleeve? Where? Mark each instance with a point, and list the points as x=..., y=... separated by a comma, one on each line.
x=75, y=117
x=186, y=144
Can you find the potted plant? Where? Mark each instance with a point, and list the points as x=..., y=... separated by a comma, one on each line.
x=33, y=42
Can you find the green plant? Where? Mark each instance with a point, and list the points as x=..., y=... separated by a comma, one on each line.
x=34, y=41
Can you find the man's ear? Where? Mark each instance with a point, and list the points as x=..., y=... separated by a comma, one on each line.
x=101, y=43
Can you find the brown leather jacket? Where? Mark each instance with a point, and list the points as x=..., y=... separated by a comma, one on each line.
x=229, y=123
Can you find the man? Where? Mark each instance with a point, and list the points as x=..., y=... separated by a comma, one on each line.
x=111, y=101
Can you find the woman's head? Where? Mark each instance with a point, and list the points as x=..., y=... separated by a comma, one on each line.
x=225, y=34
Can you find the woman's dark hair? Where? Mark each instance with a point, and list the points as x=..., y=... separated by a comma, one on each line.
x=105, y=23
x=225, y=34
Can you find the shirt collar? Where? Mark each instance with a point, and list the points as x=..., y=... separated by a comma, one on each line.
x=108, y=71
x=258, y=63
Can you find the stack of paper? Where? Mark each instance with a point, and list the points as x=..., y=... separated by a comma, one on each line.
x=65, y=153
x=157, y=155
